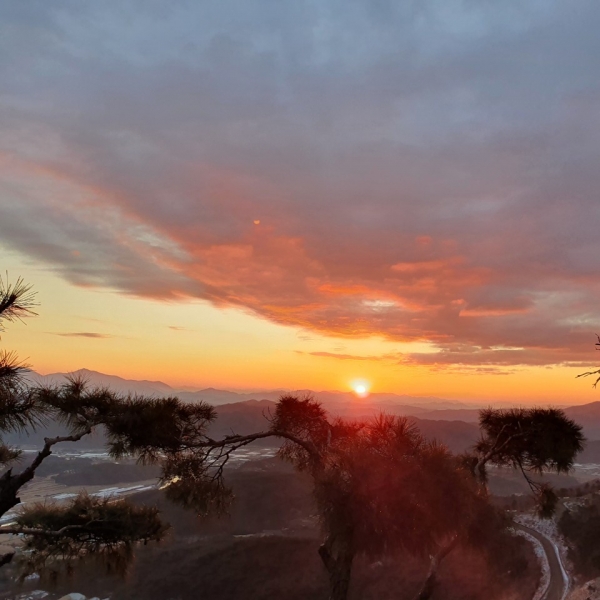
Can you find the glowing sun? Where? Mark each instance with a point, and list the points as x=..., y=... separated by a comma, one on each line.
x=361, y=388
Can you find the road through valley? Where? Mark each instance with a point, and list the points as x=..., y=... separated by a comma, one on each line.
x=557, y=585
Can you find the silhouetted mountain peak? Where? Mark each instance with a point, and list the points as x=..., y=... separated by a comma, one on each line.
x=114, y=382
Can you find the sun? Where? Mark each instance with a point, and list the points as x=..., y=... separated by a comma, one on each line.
x=361, y=388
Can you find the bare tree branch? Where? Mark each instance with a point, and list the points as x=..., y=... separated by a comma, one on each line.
x=242, y=440
x=46, y=451
x=10, y=484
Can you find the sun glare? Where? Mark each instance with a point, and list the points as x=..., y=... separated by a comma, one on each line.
x=361, y=388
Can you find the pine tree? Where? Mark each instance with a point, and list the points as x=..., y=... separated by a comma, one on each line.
x=530, y=440
x=164, y=431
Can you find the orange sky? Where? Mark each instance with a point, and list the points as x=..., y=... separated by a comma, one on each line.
x=195, y=344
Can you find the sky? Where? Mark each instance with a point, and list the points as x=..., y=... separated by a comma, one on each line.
x=258, y=194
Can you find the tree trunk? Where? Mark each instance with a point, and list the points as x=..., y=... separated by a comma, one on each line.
x=337, y=557
x=8, y=492
x=431, y=580
x=339, y=577
x=429, y=583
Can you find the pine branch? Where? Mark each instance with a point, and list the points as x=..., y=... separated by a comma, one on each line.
x=16, y=300
x=496, y=448
x=242, y=440
x=47, y=532
x=11, y=484
x=46, y=451
x=11, y=366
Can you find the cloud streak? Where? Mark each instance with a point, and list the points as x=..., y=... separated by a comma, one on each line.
x=419, y=173
x=339, y=356
x=85, y=334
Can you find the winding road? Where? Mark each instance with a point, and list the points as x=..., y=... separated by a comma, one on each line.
x=557, y=586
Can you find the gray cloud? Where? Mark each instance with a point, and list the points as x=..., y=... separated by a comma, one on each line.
x=421, y=171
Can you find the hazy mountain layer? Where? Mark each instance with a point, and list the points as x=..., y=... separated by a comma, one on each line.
x=247, y=412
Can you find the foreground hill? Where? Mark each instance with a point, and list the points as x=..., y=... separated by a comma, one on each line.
x=267, y=548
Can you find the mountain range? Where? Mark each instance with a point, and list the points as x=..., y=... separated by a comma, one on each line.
x=451, y=422
x=216, y=397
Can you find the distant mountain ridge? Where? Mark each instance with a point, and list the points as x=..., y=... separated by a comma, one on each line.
x=344, y=404
x=218, y=397
x=114, y=382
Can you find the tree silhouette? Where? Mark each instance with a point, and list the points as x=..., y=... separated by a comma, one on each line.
x=164, y=431
x=380, y=489
x=532, y=440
